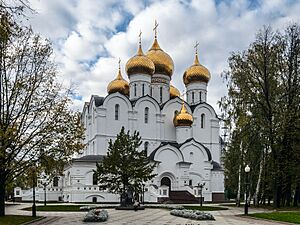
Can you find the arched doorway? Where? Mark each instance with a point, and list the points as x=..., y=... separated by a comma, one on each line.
x=166, y=181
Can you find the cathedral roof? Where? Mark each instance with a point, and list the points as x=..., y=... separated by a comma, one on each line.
x=183, y=118
x=89, y=158
x=118, y=84
x=176, y=145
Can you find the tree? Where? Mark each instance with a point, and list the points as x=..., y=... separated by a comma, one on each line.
x=124, y=168
x=37, y=129
x=262, y=109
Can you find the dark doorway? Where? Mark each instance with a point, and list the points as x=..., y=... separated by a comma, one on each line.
x=94, y=199
x=166, y=181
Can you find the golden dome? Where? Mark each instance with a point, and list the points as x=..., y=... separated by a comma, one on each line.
x=183, y=118
x=174, y=92
x=139, y=64
x=196, y=73
x=162, y=61
x=118, y=85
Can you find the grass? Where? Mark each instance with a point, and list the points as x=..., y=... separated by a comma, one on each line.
x=270, y=207
x=204, y=208
x=15, y=219
x=291, y=217
x=57, y=208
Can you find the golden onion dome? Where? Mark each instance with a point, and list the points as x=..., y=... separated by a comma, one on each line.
x=174, y=92
x=118, y=84
x=183, y=118
x=162, y=61
x=139, y=64
x=196, y=73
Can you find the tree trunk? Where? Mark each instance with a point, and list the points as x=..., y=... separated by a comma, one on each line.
x=297, y=193
x=238, y=197
x=2, y=194
x=261, y=166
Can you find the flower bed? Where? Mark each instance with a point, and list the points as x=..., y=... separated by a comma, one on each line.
x=96, y=215
x=192, y=214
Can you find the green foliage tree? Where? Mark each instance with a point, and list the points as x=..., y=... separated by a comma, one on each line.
x=125, y=167
x=37, y=129
x=262, y=109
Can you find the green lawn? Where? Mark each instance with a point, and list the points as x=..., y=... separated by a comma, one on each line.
x=204, y=208
x=57, y=208
x=15, y=220
x=292, y=217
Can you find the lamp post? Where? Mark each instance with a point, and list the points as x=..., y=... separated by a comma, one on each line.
x=247, y=170
x=200, y=188
x=33, y=194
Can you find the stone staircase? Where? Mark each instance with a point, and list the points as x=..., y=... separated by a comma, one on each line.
x=182, y=197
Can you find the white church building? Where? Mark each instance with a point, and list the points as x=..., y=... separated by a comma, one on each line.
x=181, y=137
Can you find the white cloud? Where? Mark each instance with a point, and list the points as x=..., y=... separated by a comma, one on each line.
x=88, y=41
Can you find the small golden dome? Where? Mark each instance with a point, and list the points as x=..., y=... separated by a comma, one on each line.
x=139, y=63
x=118, y=85
x=174, y=92
x=162, y=61
x=196, y=73
x=183, y=118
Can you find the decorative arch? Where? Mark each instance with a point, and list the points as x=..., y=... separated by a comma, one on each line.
x=91, y=196
x=176, y=100
x=205, y=106
x=149, y=99
x=118, y=96
x=200, y=146
x=175, y=150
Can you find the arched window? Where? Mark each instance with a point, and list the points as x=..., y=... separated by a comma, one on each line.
x=160, y=94
x=143, y=89
x=193, y=97
x=151, y=91
x=200, y=96
x=95, y=180
x=146, y=114
x=117, y=109
x=146, y=147
x=202, y=120
x=134, y=89
x=55, y=182
x=93, y=153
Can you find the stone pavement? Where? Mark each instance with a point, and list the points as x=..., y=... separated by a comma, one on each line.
x=142, y=217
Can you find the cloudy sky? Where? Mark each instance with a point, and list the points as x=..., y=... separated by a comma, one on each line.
x=89, y=36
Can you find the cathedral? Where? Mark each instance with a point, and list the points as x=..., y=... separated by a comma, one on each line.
x=181, y=137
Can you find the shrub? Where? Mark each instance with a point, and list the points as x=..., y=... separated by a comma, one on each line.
x=96, y=215
x=192, y=214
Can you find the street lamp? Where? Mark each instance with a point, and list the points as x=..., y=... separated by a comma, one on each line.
x=200, y=188
x=33, y=194
x=143, y=197
x=45, y=182
x=247, y=170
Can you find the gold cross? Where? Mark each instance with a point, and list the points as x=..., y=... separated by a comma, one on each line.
x=119, y=63
x=140, y=36
x=155, y=28
x=196, y=47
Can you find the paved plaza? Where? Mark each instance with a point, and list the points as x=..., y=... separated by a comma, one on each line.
x=143, y=217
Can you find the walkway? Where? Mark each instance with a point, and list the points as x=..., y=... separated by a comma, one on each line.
x=143, y=217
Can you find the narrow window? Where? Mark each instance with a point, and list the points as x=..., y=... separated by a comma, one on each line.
x=146, y=147
x=95, y=180
x=93, y=148
x=190, y=182
x=143, y=89
x=134, y=89
x=160, y=93
x=146, y=114
x=117, y=111
x=193, y=97
x=200, y=97
x=151, y=91
x=202, y=120
x=55, y=182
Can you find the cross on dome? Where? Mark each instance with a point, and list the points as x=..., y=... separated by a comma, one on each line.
x=155, y=28
x=196, y=47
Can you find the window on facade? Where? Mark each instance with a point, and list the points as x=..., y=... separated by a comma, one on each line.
x=93, y=148
x=193, y=97
x=190, y=182
x=146, y=114
x=200, y=96
x=151, y=91
x=202, y=120
x=160, y=93
x=55, y=182
x=146, y=147
x=117, y=109
x=143, y=89
x=134, y=86
x=164, y=192
x=95, y=180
